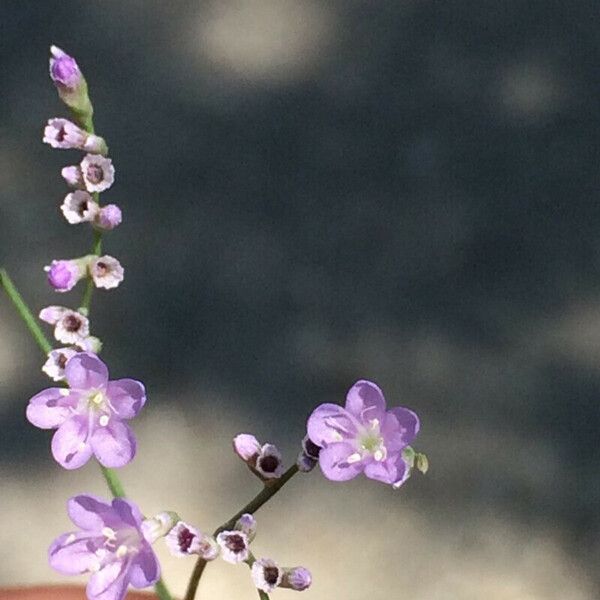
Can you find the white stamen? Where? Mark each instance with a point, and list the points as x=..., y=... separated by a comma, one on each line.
x=353, y=458
x=70, y=539
x=64, y=392
x=109, y=533
x=104, y=420
x=101, y=553
x=337, y=436
x=374, y=423
x=121, y=551
x=81, y=447
x=378, y=455
x=97, y=398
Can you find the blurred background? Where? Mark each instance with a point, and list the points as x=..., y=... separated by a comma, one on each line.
x=316, y=192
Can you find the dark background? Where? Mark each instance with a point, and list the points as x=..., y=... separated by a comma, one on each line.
x=317, y=192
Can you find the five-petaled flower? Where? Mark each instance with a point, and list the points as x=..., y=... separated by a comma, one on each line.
x=363, y=436
x=110, y=546
x=89, y=415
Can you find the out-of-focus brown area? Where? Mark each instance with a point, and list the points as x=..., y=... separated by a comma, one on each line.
x=314, y=193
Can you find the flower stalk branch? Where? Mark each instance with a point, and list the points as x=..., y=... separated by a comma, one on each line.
x=259, y=500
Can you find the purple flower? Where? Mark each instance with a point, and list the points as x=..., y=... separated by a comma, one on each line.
x=73, y=177
x=266, y=574
x=109, y=217
x=64, y=70
x=79, y=207
x=63, y=275
x=110, y=546
x=89, y=415
x=296, y=578
x=246, y=446
x=264, y=461
x=363, y=436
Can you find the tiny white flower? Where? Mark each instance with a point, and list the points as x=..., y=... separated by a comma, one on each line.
x=54, y=367
x=266, y=574
x=106, y=272
x=98, y=172
x=79, y=207
x=234, y=546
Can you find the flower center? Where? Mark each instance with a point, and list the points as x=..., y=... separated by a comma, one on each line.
x=101, y=269
x=371, y=442
x=72, y=323
x=185, y=539
x=95, y=174
x=271, y=574
x=236, y=543
x=269, y=464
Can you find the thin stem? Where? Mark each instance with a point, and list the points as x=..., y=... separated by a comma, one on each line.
x=261, y=498
x=262, y=595
x=24, y=312
x=113, y=482
x=161, y=590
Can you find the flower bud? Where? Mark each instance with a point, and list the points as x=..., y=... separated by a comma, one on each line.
x=109, y=217
x=247, y=524
x=90, y=344
x=158, y=526
x=421, y=462
x=63, y=275
x=266, y=574
x=246, y=446
x=63, y=134
x=305, y=463
x=73, y=177
x=70, y=84
x=296, y=578
x=310, y=448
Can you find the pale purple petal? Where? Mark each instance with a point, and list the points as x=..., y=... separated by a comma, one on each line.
x=365, y=401
x=90, y=512
x=110, y=583
x=51, y=407
x=70, y=446
x=145, y=569
x=246, y=446
x=403, y=422
x=330, y=423
x=114, y=445
x=127, y=397
x=127, y=512
x=86, y=371
x=333, y=462
x=52, y=314
x=389, y=471
x=73, y=553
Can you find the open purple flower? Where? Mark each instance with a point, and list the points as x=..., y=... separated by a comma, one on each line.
x=363, y=436
x=110, y=546
x=89, y=415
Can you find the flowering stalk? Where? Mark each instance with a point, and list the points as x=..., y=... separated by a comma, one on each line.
x=259, y=500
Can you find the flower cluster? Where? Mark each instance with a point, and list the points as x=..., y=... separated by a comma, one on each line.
x=90, y=412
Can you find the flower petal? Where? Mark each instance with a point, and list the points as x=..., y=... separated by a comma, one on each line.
x=333, y=462
x=145, y=569
x=70, y=446
x=73, y=553
x=365, y=401
x=89, y=512
x=51, y=407
x=110, y=582
x=394, y=471
x=52, y=314
x=127, y=397
x=128, y=512
x=114, y=445
x=86, y=371
x=401, y=421
x=330, y=423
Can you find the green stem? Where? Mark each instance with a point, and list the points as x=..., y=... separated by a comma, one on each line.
x=113, y=482
x=261, y=498
x=24, y=312
x=161, y=590
x=89, y=288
